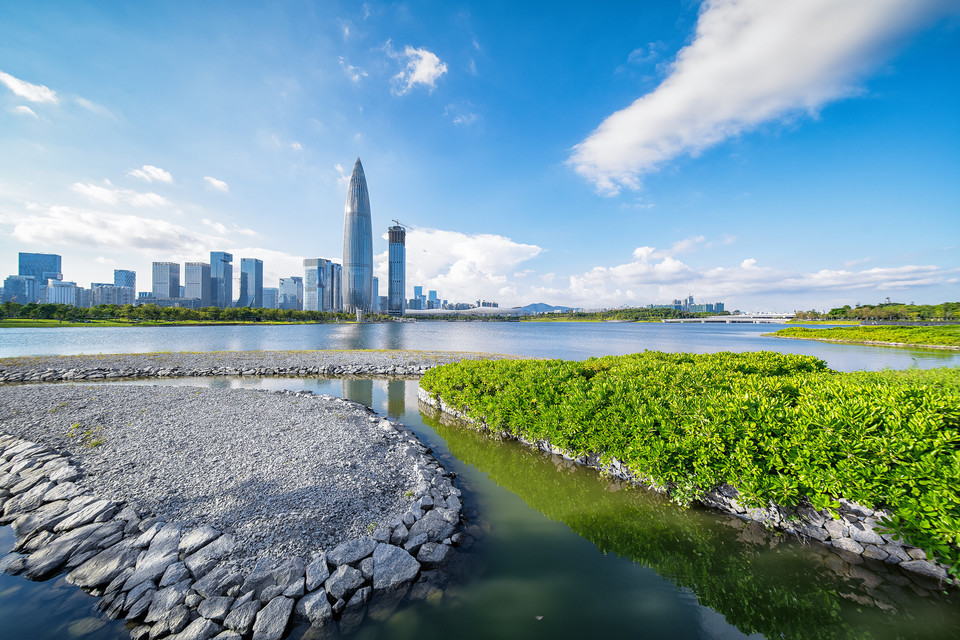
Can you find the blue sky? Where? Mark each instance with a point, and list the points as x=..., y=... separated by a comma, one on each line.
x=775, y=156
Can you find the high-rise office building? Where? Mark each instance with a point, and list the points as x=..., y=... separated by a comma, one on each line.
x=397, y=270
x=322, y=285
x=291, y=293
x=357, y=244
x=21, y=289
x=125, y=278
x=60, y=292
x=196, y=280
x=375, y=295
x=106, y=293
x=221, y=279
x=251, y=283
x=271, y=296
x=42, y=266
x=166, y=280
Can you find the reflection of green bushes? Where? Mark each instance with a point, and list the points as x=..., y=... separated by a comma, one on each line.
x=768, y=586
x=778, y=427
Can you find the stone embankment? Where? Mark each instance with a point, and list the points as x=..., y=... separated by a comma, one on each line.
x=200, y=513
x=227, y=363
x=854, y=533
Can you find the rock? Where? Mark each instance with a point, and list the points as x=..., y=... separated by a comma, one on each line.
x=317, y=573
x=102, y=568
x=316, y=608
x=272, y=620
x=811, y=530
x=433, y=555
x=150, y=567
x=140, y=606
x=228, y=635
x=166, y=599
x=196, y=538
x=259, y=579
x=351, y=551
x=399, y=534
x=366, y=568
x=199, y=629
x=393, y=567
x=836, y=528
x=895, y=554
x=241, y=617
x=343, y=581
x=289, y=572
x=863, y=535
x=434, y=525
x=43, y=519
x=271, y=592
x=295, y=589
x=413, y=543
x=62, y=491
x=848, y=545
x=175, y=573
x=175, y=620
x=215, y=608
x=217, y=582
x=924, y=568
x=873, y=552
x=97, y=511
x=208, y=556
x=381, y=534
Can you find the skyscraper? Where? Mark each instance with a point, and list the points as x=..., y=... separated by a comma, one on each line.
x=251, y=283
x=291, y=293
x=125, y=278
x=357, y=245
x=42, y=266
x=196, y=281
x=397, y=276
x=221, y=279
x=166, y=280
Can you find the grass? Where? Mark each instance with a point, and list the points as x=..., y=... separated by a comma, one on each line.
x=934, y=336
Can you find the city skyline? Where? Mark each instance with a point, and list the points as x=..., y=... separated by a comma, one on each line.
x=824, y=172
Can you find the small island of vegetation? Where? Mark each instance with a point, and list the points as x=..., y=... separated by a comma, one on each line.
x=780, y=428
x=938, y=337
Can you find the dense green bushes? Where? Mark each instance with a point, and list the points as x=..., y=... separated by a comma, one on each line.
x=945, y=335
x=778, y=427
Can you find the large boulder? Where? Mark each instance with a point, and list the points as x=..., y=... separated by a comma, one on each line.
x=393, y=567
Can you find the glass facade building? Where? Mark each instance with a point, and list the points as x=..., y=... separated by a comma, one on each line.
x=397, y=270
x=125, y=278
x=221, y=279
x=291, y=293
x=196, y=282
x=42, y=266
x=166, y=280
x=251, y=283
x=21, y=289
x=357, y=245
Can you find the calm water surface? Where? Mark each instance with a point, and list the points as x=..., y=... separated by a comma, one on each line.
x=590, y=557
x=568, y=340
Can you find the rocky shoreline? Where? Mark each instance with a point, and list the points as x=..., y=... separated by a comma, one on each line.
x=853, y=534
x=199, y=513
x=398, y=363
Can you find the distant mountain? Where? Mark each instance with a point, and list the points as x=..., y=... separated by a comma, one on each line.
x=540, y=307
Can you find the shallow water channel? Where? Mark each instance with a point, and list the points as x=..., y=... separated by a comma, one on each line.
x=566, y=553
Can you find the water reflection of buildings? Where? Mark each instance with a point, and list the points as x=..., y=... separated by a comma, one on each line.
x=396, y=405
x=358, y=390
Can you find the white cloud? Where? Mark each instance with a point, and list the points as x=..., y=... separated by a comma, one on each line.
x=25, y=110
x=751, y=61
x=31, y=92
x=465, y=118
x=106, y=261
x=150, y=173
x=343, y=179
x=420, y=67
x=93, y=107
x=296, y=146
x=110, y=195
x=354, y=73
x=96, y=229
x=219, y=185
x=223, y=229
x=459, y=266
x=656, y=277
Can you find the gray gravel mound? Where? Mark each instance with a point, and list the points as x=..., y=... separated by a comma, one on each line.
x=288, y=474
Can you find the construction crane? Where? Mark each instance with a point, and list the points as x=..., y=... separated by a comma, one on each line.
x=405, y=226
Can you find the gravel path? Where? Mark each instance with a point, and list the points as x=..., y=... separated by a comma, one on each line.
x=289, y=475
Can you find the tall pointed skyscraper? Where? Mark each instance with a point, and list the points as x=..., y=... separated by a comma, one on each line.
x=357, y=245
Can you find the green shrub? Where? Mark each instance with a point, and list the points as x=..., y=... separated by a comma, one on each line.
x=778, y=427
